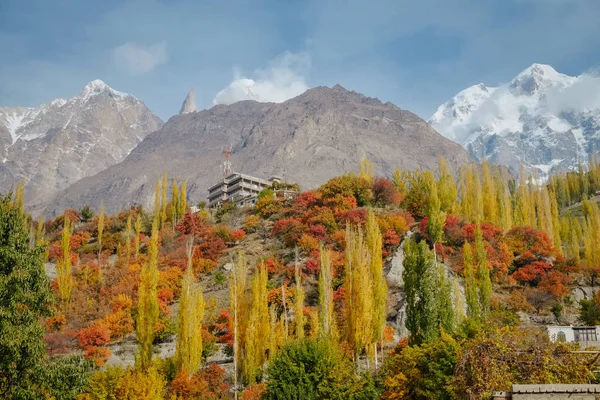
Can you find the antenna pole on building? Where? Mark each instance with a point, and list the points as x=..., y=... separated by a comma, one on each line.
x=226, y=162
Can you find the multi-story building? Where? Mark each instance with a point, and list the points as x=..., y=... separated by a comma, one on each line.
x=240, y=189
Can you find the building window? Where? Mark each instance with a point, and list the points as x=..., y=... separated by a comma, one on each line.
x=561, y=337
x=585, y=335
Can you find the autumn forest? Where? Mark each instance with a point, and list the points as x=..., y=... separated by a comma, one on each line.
x=422, y=285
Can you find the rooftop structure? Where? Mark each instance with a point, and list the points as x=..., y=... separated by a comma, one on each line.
x=553, y=391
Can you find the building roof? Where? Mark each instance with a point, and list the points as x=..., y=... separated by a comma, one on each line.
x=554, y=388
x=235, y=175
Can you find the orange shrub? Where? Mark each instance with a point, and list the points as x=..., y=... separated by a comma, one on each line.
x=308, y=243
x=208, y=383
x=171, y=279
x=96, y=334
x=120, y=321
x=203, y=266
x=97, y=354
x=254, y=392
x=238, y=234
x=165, y=298
x=56, y=323
x=392, y=222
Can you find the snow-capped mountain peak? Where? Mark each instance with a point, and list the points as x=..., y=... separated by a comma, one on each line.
x=97, y=87
x=541, y=118
x=537, y=78
x=52, y=145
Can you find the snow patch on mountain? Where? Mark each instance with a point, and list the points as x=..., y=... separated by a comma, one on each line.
x=543, y=119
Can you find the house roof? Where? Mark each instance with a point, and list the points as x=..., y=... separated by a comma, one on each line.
x=555, y=388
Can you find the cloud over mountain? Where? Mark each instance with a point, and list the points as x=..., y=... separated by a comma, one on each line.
x=282, y=79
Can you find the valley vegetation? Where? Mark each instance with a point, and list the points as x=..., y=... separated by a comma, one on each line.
x=290, y=300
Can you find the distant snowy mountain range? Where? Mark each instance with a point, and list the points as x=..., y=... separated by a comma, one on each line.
x=542, y=119
x=53, y=145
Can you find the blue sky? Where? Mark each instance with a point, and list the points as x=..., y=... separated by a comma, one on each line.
x=414, y=53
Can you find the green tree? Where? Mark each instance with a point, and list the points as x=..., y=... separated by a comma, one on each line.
x=428, y=294
x=86, y=213
x=25, y=297
x=308, y=370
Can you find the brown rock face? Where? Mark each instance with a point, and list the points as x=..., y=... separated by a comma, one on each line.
x=308, y=139
x=54, y=145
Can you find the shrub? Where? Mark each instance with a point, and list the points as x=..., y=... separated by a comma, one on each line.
x=136, y=384
x=289, y=230
x=96, y=334
x=348, y=185
x=385, y=192
x=308, y=243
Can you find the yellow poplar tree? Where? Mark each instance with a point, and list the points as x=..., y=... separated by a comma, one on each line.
x=174, y=203
x=359, y=292
x=188, y=355
x=20, y=197
x=128, y=238
x=555, y=223
x=326, y=293
x=490, y=205
x=138, y=232
x=505, y=212
x=379, y=285
x=64, y=276
x=157, y=194
x=447, y=191
x=473, y=309
x=367, y=169
x=525, y=217
x=257, y=332
x=182, y=199
x=163, y=202
x=101, y=217
x=239, y=305
x=298, y=301
x=483, y=273
x=148, y=310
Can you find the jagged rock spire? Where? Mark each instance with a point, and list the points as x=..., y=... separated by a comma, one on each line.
x=189, y=104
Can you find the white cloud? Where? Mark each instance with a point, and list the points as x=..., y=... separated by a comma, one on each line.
x=584, y=93
x=281, y=80
x=138, y=59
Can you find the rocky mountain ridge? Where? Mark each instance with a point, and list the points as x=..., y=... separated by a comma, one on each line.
x=309, y=139
x=53, y=145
